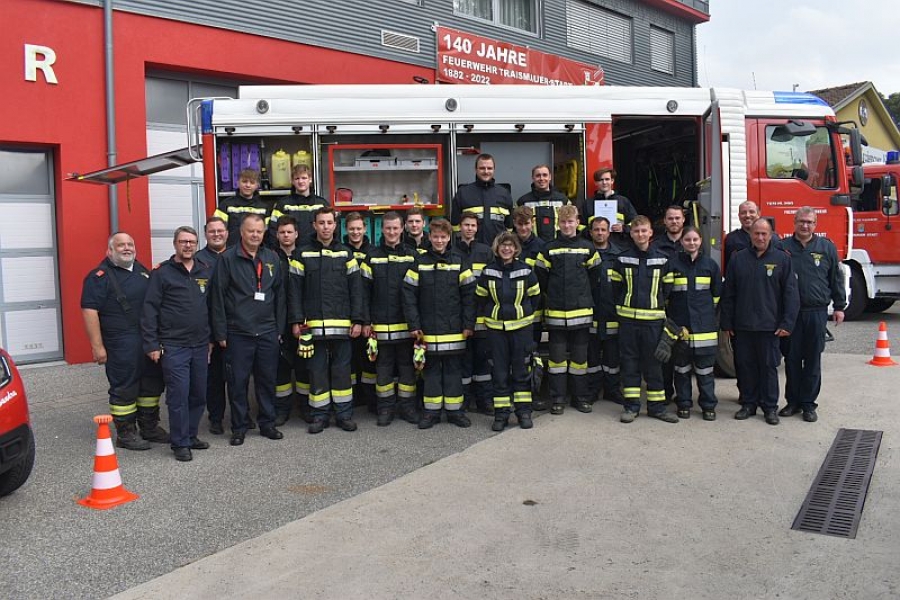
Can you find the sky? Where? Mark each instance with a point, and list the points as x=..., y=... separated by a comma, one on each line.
x=772, y=45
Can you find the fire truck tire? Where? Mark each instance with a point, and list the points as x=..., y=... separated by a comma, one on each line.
x=12, y=479
x=858, y=295
x=877, y=305
x=725, y=357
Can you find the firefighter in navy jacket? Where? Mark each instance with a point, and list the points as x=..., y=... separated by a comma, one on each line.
x=489, y=202
x=246, y=201
x=759, y=305
x=438, y=301
x=300, y=204
x=696, y=289
x=642, y=282
x=507, y=290
x=544, y=202
x=820, y=282
x=327, y=279
x=383, y=272
x=568, y=269
x=248, y=306
x=603, y=349
x=176, y=333
x=362, y=370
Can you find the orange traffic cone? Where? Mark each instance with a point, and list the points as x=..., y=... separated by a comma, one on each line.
x=107, y=490
x=882, y=356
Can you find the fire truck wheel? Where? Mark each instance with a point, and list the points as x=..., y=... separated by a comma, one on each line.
x=877, y=305
x=858, y=295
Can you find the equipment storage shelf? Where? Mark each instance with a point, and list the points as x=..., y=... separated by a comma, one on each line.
x=385, y=176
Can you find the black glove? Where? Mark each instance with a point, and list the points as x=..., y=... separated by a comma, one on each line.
x=670, y=334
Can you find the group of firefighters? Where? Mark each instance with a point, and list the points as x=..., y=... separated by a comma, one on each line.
x=422, y=324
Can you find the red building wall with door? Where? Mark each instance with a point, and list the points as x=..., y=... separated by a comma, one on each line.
x=68, y=117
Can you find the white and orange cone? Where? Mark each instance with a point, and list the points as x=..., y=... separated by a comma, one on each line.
x=107, y=490
x=882, y=356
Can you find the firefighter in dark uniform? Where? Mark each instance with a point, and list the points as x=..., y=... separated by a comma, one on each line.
x=642, y=282
x=507, y=290
x=477, y=361
x=246, y=201
x=605, y=180
x=489, y=202
x=820, y=282
x=216, y=233
x=603, y=349
x=292, y=375
x=248, y=308
x=362, y=370
x=696, y=290
x=759, y=306
x=739, y=239
x=568, y=269
x=300, y=204
x=328, y=283
x=439, y=305
x=532, y=246
x=175, y=327
x=669, y=243
x=383, y=272
x=111, y=301
x=414, y=234
x=544, y=202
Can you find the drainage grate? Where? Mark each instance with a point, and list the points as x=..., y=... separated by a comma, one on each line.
x=835, y=501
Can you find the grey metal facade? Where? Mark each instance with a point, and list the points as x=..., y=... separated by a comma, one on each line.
x=357, y=27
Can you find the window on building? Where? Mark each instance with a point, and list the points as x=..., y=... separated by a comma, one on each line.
x=662, y=50
x=518, y=14
x=599, y=31
x=167, y=98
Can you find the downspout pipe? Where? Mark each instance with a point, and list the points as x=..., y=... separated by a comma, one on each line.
x=111, y=151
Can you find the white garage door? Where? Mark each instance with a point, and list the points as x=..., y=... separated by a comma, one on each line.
x=30, y=324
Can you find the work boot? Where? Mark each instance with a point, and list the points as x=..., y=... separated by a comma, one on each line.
x=745, y=413
x=540, y=404
x=665, y=416
x=684, y=413
x=347, y=424
x=408, y=414
x=215, y=428
x=627, y=416
x=281, y=419
x=429, y=418
x=385, y=417
x=318, y=425
x=501, y=420
x=582, y=405
x=789, y=411
x=525, y=421
x=558, y=407
x=148, y=422
x=772, y=417
x=810, y=416
x=458, y=418
x=127, y=436
x=709, y=415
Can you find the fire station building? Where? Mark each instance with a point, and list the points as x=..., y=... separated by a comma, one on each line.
x=92, y=83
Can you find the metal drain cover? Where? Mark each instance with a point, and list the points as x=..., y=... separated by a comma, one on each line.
x=835, y=501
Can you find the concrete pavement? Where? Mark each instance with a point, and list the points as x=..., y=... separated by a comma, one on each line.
x=582, y=506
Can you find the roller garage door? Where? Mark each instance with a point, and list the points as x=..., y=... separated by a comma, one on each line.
x=30, y=322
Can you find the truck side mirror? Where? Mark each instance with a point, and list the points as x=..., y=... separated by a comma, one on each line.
x=887, y=183
x=857, y=177
x=856, y=141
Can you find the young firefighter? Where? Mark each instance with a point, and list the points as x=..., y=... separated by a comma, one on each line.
x=383, y=272
x=568, y=269
x=362, y=369
x=605, y=180
x=292, y=375
x=246, y=201
x=508, y=290
x=301, y=204
x=415, y=235
x=439, y=305
x=544, y=201
x=603, y=349
x=696, y=289
x=327, y=280
x=532, y=246
x=641, y=282
x=476, y=363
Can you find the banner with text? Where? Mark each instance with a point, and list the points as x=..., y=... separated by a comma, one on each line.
x=467, y=58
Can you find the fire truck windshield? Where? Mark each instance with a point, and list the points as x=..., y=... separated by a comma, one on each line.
x=810, y=158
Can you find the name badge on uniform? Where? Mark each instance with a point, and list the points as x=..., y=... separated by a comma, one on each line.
x=261, y=296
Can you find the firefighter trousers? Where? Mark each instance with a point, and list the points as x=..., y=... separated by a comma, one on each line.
x=363, y=373
x=215, y=385
x=255, y=355
x=568, y=360
x=135, y=381
x=395, y=363
x=443, y=381
x=477, y=387
x=292, y=376
x=510, y=377
x=637, y=343
x=185, y=372
x=329, y=378
x=703, y=366
x=803, y=362
x=756, y=358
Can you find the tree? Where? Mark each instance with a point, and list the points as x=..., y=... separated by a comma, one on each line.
x=892, y=103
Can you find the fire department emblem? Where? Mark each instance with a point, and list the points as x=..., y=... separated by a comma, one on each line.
x=817, y=258
x=202, y=284
x=271, y=269
x=770, y=269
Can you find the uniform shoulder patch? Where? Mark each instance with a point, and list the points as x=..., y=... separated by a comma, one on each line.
x=99, y=273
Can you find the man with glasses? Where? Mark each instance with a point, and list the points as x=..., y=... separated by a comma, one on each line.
x=820, y=282
x=175, y=329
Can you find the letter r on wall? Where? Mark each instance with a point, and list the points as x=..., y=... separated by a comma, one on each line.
x=39, y=57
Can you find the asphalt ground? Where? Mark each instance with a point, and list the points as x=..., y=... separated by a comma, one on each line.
x=52, y=547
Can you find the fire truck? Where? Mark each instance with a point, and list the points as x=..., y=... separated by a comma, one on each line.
x=874, y=257
x=374, y=148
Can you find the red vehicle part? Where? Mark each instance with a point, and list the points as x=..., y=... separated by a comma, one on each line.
x=16, y=437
